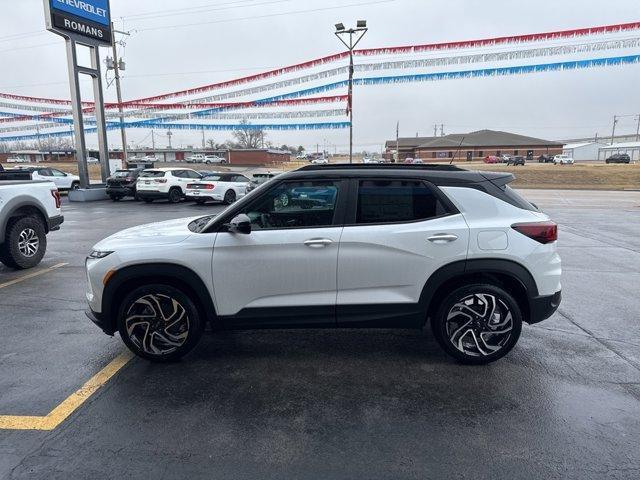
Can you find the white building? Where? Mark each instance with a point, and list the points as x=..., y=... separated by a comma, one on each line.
x=583, y=152
x=630, y=148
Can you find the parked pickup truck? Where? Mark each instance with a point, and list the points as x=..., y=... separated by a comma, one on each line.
x=29, y=210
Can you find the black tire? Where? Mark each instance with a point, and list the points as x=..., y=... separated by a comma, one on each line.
x=148, y=200
x=229, y=197
x=175, y=195
x=25, y=243
x=115, y=198
x=200, y=202
x=448, y=328
x=75, y=185
x=142, y=337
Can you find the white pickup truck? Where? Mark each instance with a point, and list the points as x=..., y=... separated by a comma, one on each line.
x=29, y=210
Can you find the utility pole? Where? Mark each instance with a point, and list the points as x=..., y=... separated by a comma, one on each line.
x=117, y=66
x=435, y=130
x=203, y=144
x=153, y=140
x=442, y=129
x=397, y=142
x=359, y=31
x=613, y=131
x=169, y=137
x=638, y=128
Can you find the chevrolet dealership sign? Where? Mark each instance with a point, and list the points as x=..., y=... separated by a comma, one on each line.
x=87, y=20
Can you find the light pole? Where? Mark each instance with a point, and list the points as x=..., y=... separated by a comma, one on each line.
x=341, y=32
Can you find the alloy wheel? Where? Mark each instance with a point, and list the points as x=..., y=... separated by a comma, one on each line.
x=480, y=324
x=28, y=242
x=157, y=324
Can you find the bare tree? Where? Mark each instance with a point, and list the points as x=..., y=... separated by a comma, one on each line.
x=247, y=137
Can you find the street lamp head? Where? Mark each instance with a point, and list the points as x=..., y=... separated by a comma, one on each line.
x=339, y=27
x=361, y=24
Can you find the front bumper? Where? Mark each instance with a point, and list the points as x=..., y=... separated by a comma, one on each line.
x=55, y=222
x=100, y=321
x=543, y=307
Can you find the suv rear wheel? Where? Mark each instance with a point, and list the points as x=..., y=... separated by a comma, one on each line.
x=159, y=322
x=25, y=243
x=175, y=195
x=478, y=323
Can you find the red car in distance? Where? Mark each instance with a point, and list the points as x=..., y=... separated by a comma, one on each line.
x=492, y=159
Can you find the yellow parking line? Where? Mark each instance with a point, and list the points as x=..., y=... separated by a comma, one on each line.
x=31, y=275
x=59, y=414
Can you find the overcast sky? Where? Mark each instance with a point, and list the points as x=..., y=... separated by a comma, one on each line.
x=231, y=38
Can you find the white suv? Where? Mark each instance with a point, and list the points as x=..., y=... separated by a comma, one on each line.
x=167, y=183
x=340, y=246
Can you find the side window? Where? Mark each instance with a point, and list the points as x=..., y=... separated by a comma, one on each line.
x=57, y=173
x=192, y=174
x=45, y=172
x=301, y=204
x=392, y=201
x=242, y=179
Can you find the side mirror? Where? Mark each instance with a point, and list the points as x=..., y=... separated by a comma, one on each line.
x=240, y=224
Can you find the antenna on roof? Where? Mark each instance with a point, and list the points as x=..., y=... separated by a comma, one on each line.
x=456, y=154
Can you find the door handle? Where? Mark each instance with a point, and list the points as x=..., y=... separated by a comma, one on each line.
x=317, y=242
x=442, y=238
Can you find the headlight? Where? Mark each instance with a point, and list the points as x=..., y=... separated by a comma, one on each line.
x=99, y=254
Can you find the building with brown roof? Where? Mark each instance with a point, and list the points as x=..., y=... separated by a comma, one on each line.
x=473, y=146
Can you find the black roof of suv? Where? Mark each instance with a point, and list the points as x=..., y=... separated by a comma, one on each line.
x=441, y=175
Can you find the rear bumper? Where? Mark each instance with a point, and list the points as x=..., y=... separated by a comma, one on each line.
x=152, y=194
x=55, y=222
x=543, y=307
x=121, y=190
x=100, y=321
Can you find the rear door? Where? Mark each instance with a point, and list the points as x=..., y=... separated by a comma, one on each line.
x=398, y=232
x=284, y=271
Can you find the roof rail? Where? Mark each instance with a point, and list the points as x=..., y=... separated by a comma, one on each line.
x=381, y=166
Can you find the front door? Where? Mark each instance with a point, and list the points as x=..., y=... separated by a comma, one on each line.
x=401, y=232
x=284, y=271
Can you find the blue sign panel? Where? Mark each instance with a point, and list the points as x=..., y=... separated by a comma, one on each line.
x=92, y=10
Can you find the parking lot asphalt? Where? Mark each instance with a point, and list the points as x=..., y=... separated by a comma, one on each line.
x=565, y=403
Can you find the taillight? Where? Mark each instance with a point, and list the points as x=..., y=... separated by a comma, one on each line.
x=56, y=196
x=543, y=232
x=209, y=186
x=192, y=185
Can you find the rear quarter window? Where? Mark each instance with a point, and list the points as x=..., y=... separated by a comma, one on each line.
x=152, y=174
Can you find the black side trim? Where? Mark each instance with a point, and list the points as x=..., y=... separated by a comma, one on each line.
x=154, y=272
x=318, y=316
x=509, y=267
x=392, y=315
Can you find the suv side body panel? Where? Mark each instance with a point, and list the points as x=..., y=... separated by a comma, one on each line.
x=491, y=236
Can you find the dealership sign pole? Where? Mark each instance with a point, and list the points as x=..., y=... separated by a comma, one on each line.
x=87, y=23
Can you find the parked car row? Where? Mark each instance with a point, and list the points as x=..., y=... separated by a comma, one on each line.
x=176, y=184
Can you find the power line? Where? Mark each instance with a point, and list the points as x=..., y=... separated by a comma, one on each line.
x=270, y=15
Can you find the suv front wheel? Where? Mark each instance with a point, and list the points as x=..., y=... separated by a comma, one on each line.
x=478, y=323
x=159, y=322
